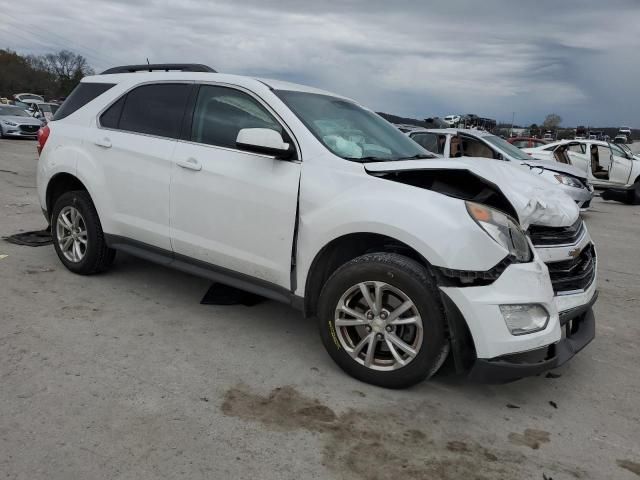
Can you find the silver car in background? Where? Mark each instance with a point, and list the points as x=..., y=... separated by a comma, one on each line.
x=15, y=122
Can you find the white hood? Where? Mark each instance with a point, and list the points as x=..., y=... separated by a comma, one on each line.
x=536, y=201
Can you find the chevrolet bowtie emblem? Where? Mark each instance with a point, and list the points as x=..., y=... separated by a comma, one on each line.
x=574, y=253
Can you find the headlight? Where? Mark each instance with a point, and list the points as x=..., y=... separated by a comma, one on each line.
x=523, y=319
x=11, y=124
x=569, y=181
x=503, y=229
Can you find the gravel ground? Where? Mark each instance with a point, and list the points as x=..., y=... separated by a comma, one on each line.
x=126, y=376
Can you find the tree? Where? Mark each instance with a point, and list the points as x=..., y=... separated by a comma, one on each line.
x=552, y=121
x=51, y=75
x=67, y=67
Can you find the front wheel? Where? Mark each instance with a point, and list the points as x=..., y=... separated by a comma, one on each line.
x=382, y=322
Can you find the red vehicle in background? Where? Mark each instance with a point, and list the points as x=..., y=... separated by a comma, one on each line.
x=527, y=142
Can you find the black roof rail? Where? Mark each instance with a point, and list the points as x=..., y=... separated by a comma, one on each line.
x=165, y=67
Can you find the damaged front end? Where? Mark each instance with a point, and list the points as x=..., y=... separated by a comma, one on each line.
x=528, y=199
x=474, y=301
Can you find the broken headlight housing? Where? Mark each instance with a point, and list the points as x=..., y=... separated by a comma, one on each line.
x=569, y=181
x=503, y=229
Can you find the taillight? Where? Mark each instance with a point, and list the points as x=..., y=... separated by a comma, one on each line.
x=43, y=136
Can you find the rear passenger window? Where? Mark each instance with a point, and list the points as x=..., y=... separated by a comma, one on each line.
x=81, y=95
x=156, y=109
x=221, y=112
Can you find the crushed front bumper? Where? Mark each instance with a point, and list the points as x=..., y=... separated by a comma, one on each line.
x=579, y=328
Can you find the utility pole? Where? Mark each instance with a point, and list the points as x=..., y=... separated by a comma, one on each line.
x=513, y=118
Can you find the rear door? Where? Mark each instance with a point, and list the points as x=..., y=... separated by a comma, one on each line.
x=231, y=208
x=133, y=147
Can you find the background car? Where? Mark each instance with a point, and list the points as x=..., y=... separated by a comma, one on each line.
x=605, y=164
x=452, y=120
x=458, y=142
x=527, y=142
x=24, y=97
x=15, y=122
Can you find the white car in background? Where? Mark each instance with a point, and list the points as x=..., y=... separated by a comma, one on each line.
x=606, y=165
x=452, y=120
x=28, y=98
x=481, y=144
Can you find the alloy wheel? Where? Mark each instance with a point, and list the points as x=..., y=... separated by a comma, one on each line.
x=378, y=325
x=71, y=234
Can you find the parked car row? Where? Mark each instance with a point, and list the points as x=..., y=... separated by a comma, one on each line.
x=406, y=253
x=35, y=106
x=483, y=145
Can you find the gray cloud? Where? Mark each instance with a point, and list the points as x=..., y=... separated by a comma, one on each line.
x=575, y=58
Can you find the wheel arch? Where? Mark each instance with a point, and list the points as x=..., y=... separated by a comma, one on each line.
x=61, y=183
x=343, y=249
x=349, y=246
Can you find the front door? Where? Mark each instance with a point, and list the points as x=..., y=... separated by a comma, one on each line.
x=620, y=167
x=231, y=208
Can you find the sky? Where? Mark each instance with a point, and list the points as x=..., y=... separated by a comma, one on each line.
x=576, y=58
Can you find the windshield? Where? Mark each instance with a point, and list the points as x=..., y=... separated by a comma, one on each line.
x=350, y=131
x=13, y=112
x=506, y=147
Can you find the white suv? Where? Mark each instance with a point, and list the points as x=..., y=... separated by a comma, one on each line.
x=308, y=198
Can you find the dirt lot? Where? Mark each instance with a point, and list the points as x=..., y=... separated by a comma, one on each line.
x=126, y=376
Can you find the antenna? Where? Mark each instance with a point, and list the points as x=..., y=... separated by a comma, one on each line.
x=148, y=61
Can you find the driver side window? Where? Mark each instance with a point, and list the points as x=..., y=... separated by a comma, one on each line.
x=578, y=148
x=431, y=141
x=470, y=147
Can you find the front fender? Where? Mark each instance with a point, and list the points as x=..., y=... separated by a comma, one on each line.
x=436, y=226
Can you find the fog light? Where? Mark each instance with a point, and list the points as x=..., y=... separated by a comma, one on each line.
x=523, y=319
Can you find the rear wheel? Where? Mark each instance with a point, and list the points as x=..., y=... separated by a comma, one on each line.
x=635, y=195
x=382, y=322
x=77, y=234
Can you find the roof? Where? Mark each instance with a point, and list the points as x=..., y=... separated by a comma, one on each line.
x=142, y=76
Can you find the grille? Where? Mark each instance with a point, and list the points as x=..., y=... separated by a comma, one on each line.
x=29, y=128
x=574, y=274
x=541, y=236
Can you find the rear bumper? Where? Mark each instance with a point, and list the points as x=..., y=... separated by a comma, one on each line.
x=579, y=330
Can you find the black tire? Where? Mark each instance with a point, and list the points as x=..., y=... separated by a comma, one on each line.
x=635, y=195
x=415, y=281
x=98, y=257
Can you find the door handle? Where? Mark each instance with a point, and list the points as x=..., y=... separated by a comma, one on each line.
x=190, y=164
x=103, y=142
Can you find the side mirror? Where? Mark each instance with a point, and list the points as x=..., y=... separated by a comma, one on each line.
x=264, y=140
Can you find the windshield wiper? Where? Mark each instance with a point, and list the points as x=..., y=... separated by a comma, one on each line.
x=417, y=157
x=367, y=159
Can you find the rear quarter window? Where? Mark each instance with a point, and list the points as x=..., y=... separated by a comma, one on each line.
x=81, y=95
